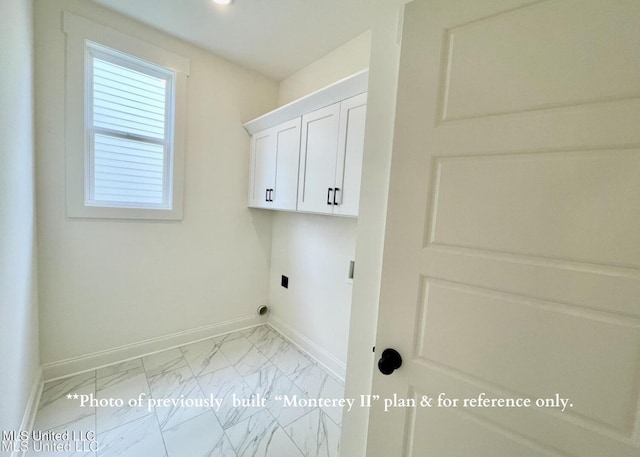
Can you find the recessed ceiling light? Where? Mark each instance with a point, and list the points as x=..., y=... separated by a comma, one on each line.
x=223, y=2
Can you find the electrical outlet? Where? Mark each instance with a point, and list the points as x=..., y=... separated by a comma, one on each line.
x=284, y=282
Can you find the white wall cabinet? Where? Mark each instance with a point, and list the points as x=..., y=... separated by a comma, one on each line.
x=318, y=160
x=331, y=158
x=312, y=163
x=353, y=114
x=273, y=174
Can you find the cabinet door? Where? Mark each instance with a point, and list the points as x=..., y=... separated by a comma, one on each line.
x=263, y=168
x=350, y=149
x=318, y=160
x=287, y=139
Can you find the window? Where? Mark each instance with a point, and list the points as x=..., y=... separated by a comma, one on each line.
x=125, y=125
x=129, y=127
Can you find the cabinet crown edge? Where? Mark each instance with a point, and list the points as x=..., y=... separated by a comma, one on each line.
x=340, y=90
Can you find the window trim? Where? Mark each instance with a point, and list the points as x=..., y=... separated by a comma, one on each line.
x=80, y=32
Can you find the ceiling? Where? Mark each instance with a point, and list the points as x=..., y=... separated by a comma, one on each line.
x=273, y=37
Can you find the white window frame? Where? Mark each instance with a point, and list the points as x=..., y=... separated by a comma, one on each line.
x=83, y=38
x=95, y=50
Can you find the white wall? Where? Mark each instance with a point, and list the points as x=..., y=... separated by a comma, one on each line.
x=108, y=283
x=19, y=358
x=313, y=250
x=348, y=59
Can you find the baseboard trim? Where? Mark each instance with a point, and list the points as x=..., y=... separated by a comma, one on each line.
x=75, y=365
x=31, y=409
x=324, y=358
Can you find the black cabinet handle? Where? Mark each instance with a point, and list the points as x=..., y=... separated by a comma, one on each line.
x=335, y=194
x=389, y=362
x=270, y=195
x=266, y=195
x=329, y=196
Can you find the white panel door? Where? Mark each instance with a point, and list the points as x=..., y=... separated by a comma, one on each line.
x=318, y=160
x=512, y=253
x=263, y=168
x=287, y=137
x=353, y=113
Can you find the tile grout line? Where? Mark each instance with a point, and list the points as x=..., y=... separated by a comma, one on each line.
x=287, y=377
x=197, y=379
x=264, y=345
x=155, y=412
x=266, y=409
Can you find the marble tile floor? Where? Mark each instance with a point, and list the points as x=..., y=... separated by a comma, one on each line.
x=256, y=364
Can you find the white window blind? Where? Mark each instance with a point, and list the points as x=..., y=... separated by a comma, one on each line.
x=129, y=131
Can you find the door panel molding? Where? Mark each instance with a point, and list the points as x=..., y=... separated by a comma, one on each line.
x=563, y=76
x=560, y=205
x=588, y=287
x=527, y=327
